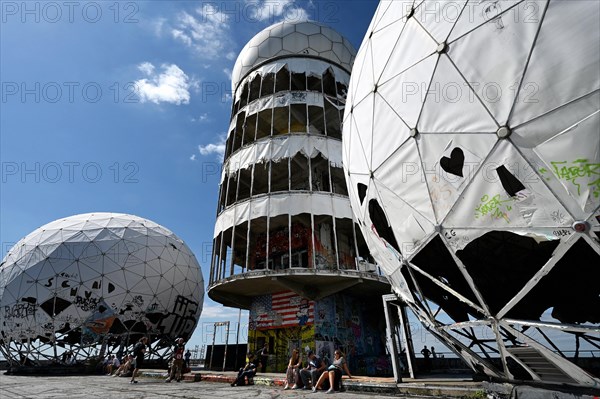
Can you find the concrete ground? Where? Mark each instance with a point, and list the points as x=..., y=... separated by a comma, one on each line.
x=210, y=384
x=105, y=387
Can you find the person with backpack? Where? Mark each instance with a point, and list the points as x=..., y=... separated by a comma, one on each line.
x=138, y=353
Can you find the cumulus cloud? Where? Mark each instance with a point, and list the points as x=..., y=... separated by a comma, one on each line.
x=193, y=157
x=171, y=85
x=206, y=31
x=217, y=147
x=274, y=10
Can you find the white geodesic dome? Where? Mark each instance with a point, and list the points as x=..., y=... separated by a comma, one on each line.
x=96, y=279
x=472, y=151
x=307, y=38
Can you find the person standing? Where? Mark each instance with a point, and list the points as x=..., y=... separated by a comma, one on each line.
x=427, y=357
x=138, y=352
x=313, y=370
x=264, y=357
x=188, y=355
x=177, y=365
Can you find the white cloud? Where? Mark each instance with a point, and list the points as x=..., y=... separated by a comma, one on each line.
x=206, y=31
x=273, y=10
x=217, y=148
x=227, y=72
x=172, y=85
x=201, y=118
x=147, y=68
x=193, y=157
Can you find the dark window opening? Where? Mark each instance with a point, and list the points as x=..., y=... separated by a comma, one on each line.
x=281, y=118
x=222, y=191
x=338, y=181
x=298, y=118
x=263, y=128
x=244, y=185
x=363, y=248
x=301, y=241
x=239, y=131
x=244, y=96
x=282, y=80
x=229, y=144
x=320, y=173
x=314, y=83
x=329, y=83
x=231, y=189
x=240, y=244
x=280, y=175
x=268, y=85
x=345, y=244
x=254, y=88
x=299, y=81
x=279, y=242
x=249, y=129
x=316, y=120
x=261, y=179
x=332, y=120
x=325, y=255
x=299, y=172
x=257, y=246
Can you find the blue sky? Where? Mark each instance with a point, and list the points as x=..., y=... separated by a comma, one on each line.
x=123, y=107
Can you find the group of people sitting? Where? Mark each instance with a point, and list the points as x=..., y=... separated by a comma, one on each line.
x=116, y=367
x=316, y=375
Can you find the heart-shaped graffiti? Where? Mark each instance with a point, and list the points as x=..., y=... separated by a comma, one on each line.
x=454, y=164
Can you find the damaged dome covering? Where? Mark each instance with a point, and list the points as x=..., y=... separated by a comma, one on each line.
x=471, y=148
x=92, y=280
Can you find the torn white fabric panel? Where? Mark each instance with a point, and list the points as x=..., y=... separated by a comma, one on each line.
x=283, y=204
x=287, y=146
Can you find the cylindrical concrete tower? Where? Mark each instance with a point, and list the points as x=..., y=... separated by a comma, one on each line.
x=285, y=244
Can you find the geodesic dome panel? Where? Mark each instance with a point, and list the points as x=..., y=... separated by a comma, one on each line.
x=305, y=38
x=472, y=155
x=98, y=278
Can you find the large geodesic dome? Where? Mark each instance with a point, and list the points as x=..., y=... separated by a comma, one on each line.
x=472, y=153
x=94, y=284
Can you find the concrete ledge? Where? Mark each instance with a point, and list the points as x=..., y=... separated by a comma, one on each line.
x=434, y=386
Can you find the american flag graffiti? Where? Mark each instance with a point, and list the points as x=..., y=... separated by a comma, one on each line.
x=283, y=309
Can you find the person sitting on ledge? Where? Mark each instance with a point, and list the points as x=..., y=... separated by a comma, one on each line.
x=249, y=371
x=334, y=373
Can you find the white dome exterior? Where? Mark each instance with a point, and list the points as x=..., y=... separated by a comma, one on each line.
x=471, y=132
x=305, y=38
x=78, y=280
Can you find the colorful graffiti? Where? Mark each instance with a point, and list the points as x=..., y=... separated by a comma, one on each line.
x=336, y=322
x=283, y=309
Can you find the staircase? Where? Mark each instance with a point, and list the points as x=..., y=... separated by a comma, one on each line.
x=542, y=367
